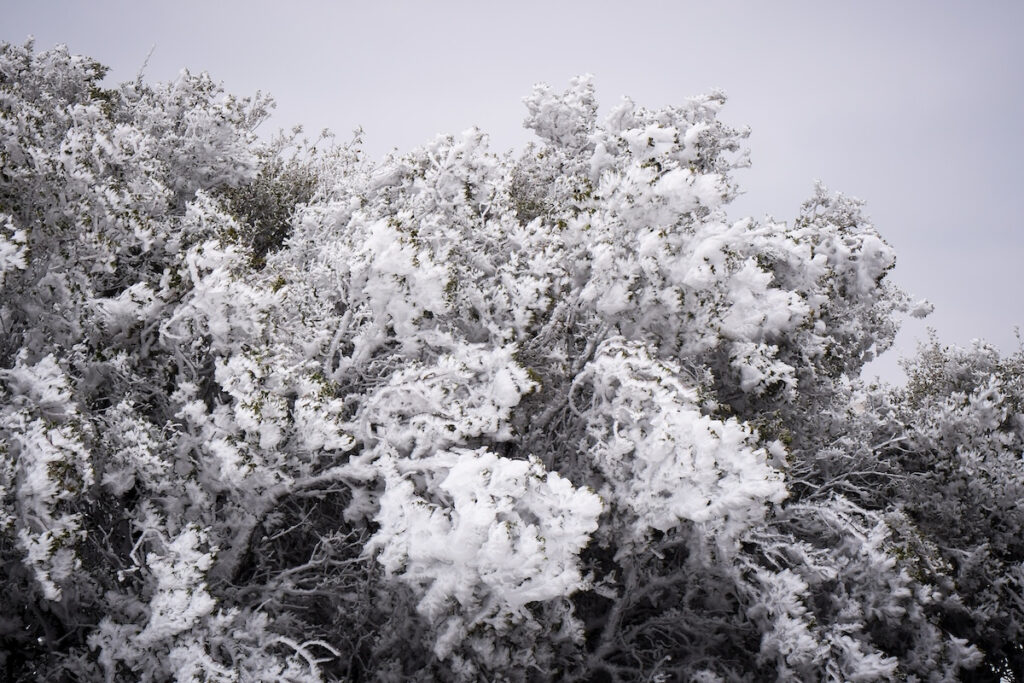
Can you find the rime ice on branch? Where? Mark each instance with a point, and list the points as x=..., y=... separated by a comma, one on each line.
x=270, y=411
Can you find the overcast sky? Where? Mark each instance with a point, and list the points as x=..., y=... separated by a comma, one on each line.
x=915, y=107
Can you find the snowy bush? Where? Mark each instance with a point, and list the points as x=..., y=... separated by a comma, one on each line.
x=272, y=411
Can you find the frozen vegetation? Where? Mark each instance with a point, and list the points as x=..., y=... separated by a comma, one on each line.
x=276, y=412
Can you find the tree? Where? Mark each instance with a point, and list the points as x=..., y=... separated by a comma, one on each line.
x=271, y=414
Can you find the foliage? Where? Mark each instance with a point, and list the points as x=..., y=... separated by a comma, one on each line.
x=270, y=411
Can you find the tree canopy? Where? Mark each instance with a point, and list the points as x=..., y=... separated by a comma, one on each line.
x=275, y=411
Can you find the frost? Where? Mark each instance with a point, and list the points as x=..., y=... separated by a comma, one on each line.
x=922, y=309
x=13, y=247
x=429, y=407
x=276, y=411
x=180, y=599
x=660, y=457
x=565, y=120
x=502, y=534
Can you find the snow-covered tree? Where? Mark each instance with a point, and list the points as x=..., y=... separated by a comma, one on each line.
x=271, y=411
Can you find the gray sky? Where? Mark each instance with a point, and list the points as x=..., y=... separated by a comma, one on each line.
x=915, y=107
